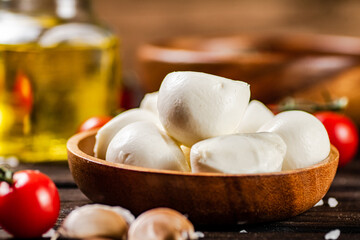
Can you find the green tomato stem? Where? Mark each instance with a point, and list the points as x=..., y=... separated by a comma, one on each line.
x=337, y=105
x=6, y=175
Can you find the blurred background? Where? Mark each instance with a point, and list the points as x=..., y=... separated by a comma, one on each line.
x=59, y=64
x=136, y=22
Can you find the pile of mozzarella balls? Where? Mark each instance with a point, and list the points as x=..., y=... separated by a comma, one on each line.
x=200, y=122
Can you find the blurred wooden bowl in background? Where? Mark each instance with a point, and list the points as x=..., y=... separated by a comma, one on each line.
x=275, y=65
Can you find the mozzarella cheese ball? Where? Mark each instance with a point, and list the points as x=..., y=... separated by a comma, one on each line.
x=239, y=153
x=108, y=131
x=149, y=102
x=256, y=115
x=143, y=144
x=194, y=106
x=305, y=136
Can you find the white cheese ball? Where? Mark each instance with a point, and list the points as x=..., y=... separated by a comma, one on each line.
x=239, y=153
x=108, y=131
x=143, y=144
x=305, y=136
x=194, y=106
x=256, y=115
x=149, y=102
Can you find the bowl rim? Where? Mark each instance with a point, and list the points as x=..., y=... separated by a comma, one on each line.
x=164, y=50
x=73, y=148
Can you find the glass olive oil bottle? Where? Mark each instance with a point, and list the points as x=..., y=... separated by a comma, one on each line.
x=58, y=67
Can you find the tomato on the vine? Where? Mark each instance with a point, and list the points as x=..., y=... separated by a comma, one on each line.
x=29, y=203
x=343, y=134
x=93, y=123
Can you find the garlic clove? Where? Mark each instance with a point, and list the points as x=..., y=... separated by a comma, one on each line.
x=161, y=224
x=96, y=220
x=194, y=106
x=143, y=144
x=256, y=115
x=305, y=136
x=108, y=131
x=149, y=102
x=239, y=153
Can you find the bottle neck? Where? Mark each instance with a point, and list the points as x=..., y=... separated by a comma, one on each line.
x=80, y=10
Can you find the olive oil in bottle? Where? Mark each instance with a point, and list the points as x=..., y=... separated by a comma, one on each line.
x=54, y=76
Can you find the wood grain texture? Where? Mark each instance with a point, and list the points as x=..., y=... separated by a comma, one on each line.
x=206, y=198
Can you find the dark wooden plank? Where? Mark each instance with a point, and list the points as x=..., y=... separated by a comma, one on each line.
x=274, y=235
x=58, y=171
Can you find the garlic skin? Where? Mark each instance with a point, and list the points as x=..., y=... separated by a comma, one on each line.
x=143, y=144
x=256, y=115
x=194, y=106
x=96, y=220
x=108, y=131
x=239, y=153
x=149, y=102
x=305, y=136
x=161, y=224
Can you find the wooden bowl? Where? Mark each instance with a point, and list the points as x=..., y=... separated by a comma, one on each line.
x=207, y=198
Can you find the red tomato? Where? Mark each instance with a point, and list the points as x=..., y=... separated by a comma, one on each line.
x=23, y=92
x=29, y=205
x=94, y=122
x=343, y=134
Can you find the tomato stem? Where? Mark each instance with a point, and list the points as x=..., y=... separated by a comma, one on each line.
x=338, y=104
x=6, y=175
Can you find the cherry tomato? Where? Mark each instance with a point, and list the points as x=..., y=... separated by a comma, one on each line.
x=343, y=134
x=94, y=122
x=23, y=92
x=29, y=203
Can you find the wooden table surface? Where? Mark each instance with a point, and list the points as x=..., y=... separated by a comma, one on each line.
x=313, y=224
